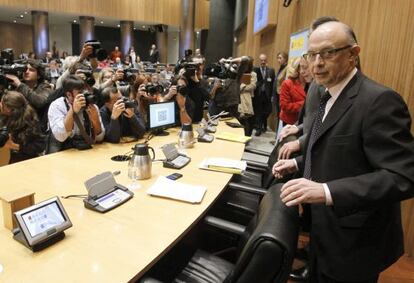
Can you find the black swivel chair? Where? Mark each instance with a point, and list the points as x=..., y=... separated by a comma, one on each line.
x=265, y=250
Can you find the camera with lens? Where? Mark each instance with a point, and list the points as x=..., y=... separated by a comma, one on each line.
x=4, y=135
x=128, y=103
x=90, y=98
x=153, y=89
x=98, y=52
x=14, y=69
x=130, y=75
x=90, y=80
x=222, y=70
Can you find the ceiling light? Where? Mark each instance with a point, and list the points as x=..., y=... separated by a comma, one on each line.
x=25, y=12
x=143, y=26
x=14, y=21
x=118, y=25
x=135, y=28
x=21, y=16
x=101, y=22
x=74, y=21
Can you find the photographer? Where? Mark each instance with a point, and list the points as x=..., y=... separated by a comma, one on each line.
x=108, y=77
x=119, y=116
x=64, y=113
x=33, y=87
x=225, y=93
x=86, y=52
x=196, y=95
x=20, y=128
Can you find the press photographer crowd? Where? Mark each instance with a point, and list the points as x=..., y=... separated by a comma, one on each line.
x=56, y=103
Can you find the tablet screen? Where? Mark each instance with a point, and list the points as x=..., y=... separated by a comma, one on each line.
x=43, y=218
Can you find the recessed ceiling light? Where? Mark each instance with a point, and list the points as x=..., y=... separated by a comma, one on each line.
x=74, y=21
x=101, y=22
x=14, y=21
x=25, y=12
x=135, y=28
x=118, y=25
x=143, y=26
x=21, y=16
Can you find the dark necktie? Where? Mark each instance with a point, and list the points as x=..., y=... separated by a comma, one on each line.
x=317, y=125
x=263, y=89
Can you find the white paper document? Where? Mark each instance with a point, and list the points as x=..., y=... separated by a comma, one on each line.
x=164, y=187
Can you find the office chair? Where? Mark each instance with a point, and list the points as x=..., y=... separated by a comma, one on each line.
x=244, y=192
x=265, y=249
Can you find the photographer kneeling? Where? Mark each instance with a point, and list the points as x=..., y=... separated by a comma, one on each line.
x=74, y=119
x=20, y=128
x=120, y=117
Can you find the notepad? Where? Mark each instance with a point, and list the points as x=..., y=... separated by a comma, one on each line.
x=223, y=165
x=167, y=188
x=233, y=137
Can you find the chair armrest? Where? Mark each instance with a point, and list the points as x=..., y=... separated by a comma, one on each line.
x=256, y=164
x=257, y=151
x=225, y=225
x=255, y=169
x=247, y=188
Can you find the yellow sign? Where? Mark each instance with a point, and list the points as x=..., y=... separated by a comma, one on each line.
x=297, y=44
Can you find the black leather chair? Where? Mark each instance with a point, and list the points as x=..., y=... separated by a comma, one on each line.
x=244, y=192
x=265, y=251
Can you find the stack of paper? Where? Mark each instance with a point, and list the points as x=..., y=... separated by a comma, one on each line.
x=233, y=137
x=167, y=188
x=224, y=165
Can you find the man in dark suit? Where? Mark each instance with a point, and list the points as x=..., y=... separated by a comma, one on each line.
x=262, y=97
x=358, y=165
x=154, y=55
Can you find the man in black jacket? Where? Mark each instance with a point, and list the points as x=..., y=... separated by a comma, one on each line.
x=358, y=165
x=262, y=97
x=119, y=120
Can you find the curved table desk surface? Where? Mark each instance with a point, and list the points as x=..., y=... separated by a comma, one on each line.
x=123, y=243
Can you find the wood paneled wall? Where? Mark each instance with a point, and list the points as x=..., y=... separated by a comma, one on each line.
x=166, y=12
x=16, y=36
x=202, y=14
x=384, y=31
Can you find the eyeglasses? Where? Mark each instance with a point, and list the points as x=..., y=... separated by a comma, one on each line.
x=324, y=54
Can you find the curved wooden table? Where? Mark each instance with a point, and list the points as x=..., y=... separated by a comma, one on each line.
x=122, y=244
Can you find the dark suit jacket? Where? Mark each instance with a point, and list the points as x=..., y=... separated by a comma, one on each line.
x=365, y=154
x=268, y=80
x=154, y=57
x=261, y=101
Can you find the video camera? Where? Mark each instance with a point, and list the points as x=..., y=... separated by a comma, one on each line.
x=222, y=70
x=98, y=52
x=9, y=66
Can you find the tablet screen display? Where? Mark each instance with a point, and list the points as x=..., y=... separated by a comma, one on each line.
x=43, y=218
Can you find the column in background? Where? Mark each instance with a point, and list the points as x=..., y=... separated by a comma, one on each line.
x=187, y=26
x=40, y=28
x=86, y=29
x=162, y=42
x=127, y=36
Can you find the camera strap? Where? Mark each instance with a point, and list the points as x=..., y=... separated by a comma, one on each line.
x=82, y=130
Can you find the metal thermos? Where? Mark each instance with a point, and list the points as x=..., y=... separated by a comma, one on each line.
x=186, y=136
x=141, y=162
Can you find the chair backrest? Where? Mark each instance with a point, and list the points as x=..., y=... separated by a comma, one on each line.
x=269, y=178
x=269, y=244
